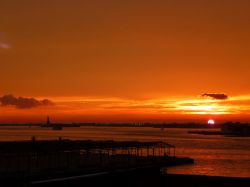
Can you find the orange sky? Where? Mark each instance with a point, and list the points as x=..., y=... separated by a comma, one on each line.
x=150, y=55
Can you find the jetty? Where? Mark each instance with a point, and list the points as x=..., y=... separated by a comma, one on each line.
x=47, y=162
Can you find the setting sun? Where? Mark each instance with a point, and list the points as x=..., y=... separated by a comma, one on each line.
x=211, y=122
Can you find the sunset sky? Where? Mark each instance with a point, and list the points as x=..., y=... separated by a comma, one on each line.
x=124, y=60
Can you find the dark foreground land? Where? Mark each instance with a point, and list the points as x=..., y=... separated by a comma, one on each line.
x=146, y=177
x=98, y=163
x=60, y=162
x=134, y=177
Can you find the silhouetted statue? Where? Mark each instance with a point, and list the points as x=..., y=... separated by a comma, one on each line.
x=48, y=120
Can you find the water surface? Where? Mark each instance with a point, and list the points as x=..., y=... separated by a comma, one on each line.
x=214, y=155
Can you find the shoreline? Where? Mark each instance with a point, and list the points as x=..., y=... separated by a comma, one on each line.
x=219, y=133
x=144, y=177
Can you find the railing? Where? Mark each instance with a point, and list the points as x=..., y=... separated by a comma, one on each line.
x=83, y=159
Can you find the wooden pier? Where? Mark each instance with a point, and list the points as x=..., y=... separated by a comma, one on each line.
x=28, y=162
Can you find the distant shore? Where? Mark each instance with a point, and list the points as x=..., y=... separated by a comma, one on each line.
x=152, y=125
x=228, y=129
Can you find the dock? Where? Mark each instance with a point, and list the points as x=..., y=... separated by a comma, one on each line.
x=48, y=162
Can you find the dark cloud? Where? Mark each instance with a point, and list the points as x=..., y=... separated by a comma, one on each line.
x=215, y=96
x=22, y=102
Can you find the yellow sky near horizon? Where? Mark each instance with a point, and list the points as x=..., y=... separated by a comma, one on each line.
x=77, y=109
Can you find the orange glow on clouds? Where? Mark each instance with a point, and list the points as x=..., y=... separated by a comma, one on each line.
x=82, y=109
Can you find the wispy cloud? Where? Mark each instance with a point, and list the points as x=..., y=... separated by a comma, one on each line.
x=191, y=105
x=233, y=105
x=80, y=108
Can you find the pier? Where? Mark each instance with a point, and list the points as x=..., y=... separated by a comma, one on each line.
x=45, y=162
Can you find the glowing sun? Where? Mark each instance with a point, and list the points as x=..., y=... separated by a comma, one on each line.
x=210, y=122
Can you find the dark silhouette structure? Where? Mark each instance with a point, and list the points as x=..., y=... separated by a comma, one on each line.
x=49, y=160
x=48, y=120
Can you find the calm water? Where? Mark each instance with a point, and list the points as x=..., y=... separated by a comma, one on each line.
x=214, y=155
